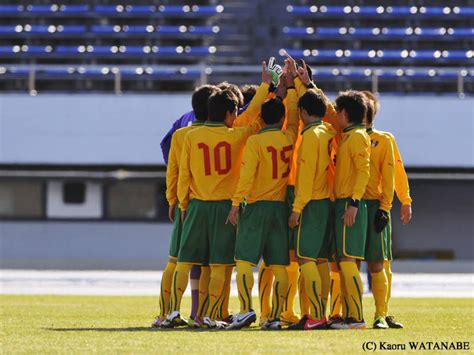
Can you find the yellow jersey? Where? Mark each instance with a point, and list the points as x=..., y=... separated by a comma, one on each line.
x=172, y=170
x=402, y=187
x=313, y=164
x=266, y=160
x=381, y=183
x=352, y=163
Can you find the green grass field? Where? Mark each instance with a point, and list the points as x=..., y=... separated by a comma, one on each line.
x=84, y=324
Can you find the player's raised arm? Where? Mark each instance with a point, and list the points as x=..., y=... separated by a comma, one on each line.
x=184, y=179
x=292, y=105
x=250, y=115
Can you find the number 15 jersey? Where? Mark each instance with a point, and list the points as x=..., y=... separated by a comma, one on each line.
x=266, y=161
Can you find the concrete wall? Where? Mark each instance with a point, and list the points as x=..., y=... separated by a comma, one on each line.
x=104, y=129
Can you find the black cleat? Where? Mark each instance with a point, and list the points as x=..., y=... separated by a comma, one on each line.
x=392, y=323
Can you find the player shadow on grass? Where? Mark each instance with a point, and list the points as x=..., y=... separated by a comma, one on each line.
x=133, y=329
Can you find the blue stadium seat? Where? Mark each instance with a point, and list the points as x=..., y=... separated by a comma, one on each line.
x=39, y=29
x=60, y=72
x=332, y=10
x=103, y=29
x=8, y=29
x=171, y=9
x=202, y=30
x=71, y=29
x=137, y=29
x=168, y=29
x=74, y=9
x=10, y=9
x=205, y=10
x=39, y=9
x=328, y=31
x=462, y=32
x=140, y=9
x=66, y=50
x=106, y=9
x=466, y=11
x=6, y=50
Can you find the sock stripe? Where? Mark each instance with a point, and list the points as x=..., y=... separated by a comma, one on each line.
x=318, y=314
x=175, y=296
x=277, y=297
x=263, y=294
x=359, y=292
x=203, y=307
x=334, y=304
x=285, y=306
x=162, y=301
x=358, y=309
x=249, y=299
x=214, y=308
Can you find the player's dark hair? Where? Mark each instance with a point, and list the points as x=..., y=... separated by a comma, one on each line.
x=354, y=103
x=220, y=103
x=273, y=111
x=235, y=89
x=248, y=91
x=373, y=105
x=199, y=100
x=313, y=103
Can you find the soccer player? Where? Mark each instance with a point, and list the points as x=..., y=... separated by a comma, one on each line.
x=311, y=207
x=199, y=104
x=209, y=172
x=262, y=228
x=378, y=197
x=352, y=176
x=402, y=189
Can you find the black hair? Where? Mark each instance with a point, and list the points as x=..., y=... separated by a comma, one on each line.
x=372, y=105
x=313, y=103
x=220, y=103
x=273, y=111
x=199, y=100
x=235, y=89
x=248, y=91
x=354, y=103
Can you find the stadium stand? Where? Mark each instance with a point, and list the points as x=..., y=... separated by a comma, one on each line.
x=125, y=45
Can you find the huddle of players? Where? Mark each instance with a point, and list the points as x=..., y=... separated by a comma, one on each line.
x=230, y=188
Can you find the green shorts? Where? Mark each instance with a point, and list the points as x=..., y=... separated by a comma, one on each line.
x=262, y=231
x=206, y=238
x=312, y=241
x=350, y=241
x=289, y=199
x=332, y=233
x=376, y=245
x=176, y=234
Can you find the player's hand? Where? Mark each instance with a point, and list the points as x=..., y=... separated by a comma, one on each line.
x=381, y=220
x=171, y=212
x=294, y=219
x=232, y=217
x=292, y=69
x=183, y=216
x=303, y=73
x=405, y=214
x=281, y=90
x=288, y=77
x=350, y=216
x=266, y=75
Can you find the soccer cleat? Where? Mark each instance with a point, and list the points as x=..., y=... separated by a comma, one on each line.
x=191, y=322
x=380, y=323
x=288, y=318
x=197, y=322
x=350, y=323
x=271, y=325
x=173, y=320
x=229, y=319
x=158, y=322
x=262, y=321
x=392, y=323
x=299, y=325
x=316, y=324
x=243, y=320
x=333, y=320
x=208, y=323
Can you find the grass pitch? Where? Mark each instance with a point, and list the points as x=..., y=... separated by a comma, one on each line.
x=85, y=324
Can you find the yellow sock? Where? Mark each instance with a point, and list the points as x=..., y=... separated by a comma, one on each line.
x=280, y=290
x=265, y=280
x=379, y=291
x=353, y=284
x=388, y=272
x=203, y=290
x=304, y=301
x=245, y=285
x=323, y=269
x=165, y=291
x=344, y=297
x=216, y=286
x=288, y=307
x=312, y=285
x=335, y=290
x=224, y=306
x=180, y=281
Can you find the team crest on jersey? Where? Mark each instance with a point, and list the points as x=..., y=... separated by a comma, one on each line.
x=374, y=143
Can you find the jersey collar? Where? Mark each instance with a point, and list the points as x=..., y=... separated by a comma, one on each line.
x=270, y=128
x=369, y=130
x=354, y=126
x=197, y=123
x=311, y=124
x=214, y=124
